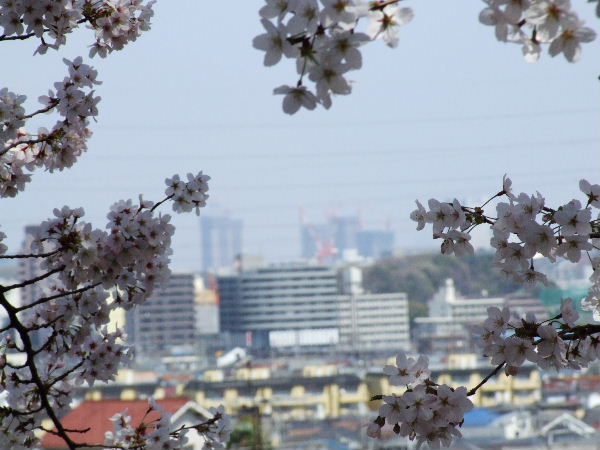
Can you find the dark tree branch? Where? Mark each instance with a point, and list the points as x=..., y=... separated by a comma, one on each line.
x=493, y=373
x=32, y=255
x=32, y=281
x=53, y=297
x=52, y=104
x=19, y=37
x=36, y=379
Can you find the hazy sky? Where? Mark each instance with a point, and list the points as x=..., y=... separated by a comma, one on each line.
x=444, y=115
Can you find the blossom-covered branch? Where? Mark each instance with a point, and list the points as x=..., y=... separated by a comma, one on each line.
x=22, y=152
x=524, y=229
x=324, y=37
x=114, y=22
x=88, y=273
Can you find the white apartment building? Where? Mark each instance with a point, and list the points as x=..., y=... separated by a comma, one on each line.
x=447, y=328
x=301, y=305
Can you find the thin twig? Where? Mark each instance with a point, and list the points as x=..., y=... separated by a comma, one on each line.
x=486, y=379
x=31, y=255
x=53, y=297
x=19, y=37
x=156, y=205
x=27, y=142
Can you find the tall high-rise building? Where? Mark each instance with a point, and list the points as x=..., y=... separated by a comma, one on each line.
x=29, y=268
x=345, y=230
x=341, y=238
x=375, y=243
x=221, y=242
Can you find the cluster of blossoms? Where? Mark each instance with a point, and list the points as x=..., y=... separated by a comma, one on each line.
x=324, y=42
x=158, y=434
x=426, y=411
x=323, y=37
x=524, y=228
x=555, y=343
x=431, y=413
x=87, y=273
x=190, y=195
x=22, y=152
x=536, y=23
x=115, y=22
x=217, y=430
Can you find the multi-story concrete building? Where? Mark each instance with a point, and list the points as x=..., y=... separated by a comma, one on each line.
x=221, y=238
x=520, y=306
x=446, y=329
x=374, y=322
x=468, y=370
x=169, y=321
x=301, y=306
x=299, y=299
x=371, y=322
x=310, y=394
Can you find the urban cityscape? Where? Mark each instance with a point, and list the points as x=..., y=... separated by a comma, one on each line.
x=299, y=225
x=294, y=351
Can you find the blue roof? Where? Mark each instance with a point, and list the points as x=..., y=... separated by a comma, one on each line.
x=480, y=417
x=330, y=444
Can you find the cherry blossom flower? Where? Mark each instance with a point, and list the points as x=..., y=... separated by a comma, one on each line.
x=568, y=42
x=548, y=16
x=592, y=302
x=274, y=9
x=274, y=43
x=385, y=23
x=568, y=313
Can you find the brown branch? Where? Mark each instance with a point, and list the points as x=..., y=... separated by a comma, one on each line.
x=53, y=297
x=486, y=379
x=19, y=37
x=27, y=142
x=161, y=202
x=66, y=373
x=382, y=4
x=579, y=331
x=31, y=255
x=48, y=430
x=35, y=376
x=53, y=103
x=32, y=281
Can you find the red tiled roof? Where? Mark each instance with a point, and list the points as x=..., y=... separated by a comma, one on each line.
x=96, y=415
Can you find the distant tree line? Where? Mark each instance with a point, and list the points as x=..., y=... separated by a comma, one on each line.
x=420, y=276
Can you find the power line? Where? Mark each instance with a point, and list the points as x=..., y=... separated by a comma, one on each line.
x=359, y=152
x=363, y=123
x=321, y=185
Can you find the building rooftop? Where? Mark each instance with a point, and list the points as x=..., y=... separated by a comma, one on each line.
x=96, y=415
